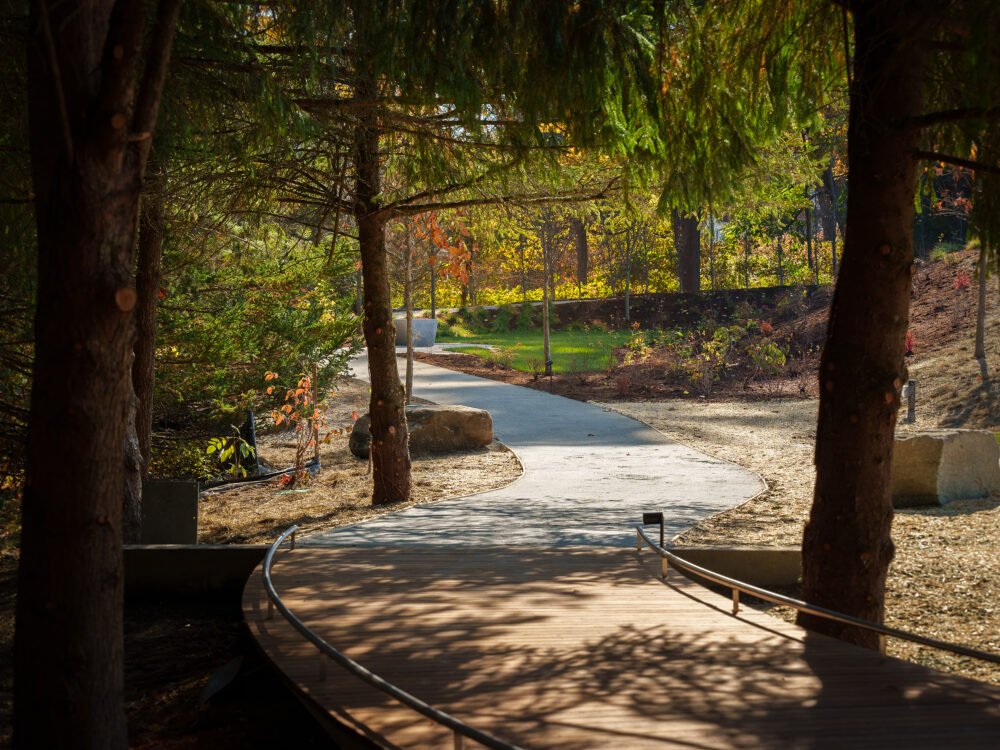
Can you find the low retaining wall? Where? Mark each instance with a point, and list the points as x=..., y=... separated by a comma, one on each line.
x=189, y=568
x=760, y=566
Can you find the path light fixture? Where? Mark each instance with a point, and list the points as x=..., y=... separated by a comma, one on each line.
x=648, y=519
x=548, y=371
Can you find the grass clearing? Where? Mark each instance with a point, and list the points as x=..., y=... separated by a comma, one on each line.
x=572, y=351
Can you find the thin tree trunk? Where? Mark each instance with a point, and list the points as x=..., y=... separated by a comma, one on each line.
x=582, y=254
x=831, y=184
x=408, y=300
x=781, y=268
x=546, y=348
x=746, y=259
x=433, y=287
x=87, y=174
x=813, y=267
x=389, y=455
x=524, y=278
x=980, y=350
x=148, y=276
x=359, y=299
x=847, y=546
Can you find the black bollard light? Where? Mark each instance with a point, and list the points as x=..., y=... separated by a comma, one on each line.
x=648, y=519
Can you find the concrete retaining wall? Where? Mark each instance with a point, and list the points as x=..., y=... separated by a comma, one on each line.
x=189, y=568
x=760, y=566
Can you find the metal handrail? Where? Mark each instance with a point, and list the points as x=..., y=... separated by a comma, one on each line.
x=460, y=728
x=829, y=614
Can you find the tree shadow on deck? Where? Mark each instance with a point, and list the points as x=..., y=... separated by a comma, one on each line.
x=577, y=648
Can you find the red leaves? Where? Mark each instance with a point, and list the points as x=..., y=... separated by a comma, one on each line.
x=962, y=281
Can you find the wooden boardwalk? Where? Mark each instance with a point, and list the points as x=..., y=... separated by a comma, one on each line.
x=587, y=648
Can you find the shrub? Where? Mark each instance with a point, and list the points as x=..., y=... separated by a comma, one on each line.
x=502, y=356
x=503, y=319
x=766, y=356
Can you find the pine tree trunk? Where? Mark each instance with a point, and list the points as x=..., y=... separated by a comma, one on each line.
x=87, y=175
x=847, y=546
x=389, y=454
x=148, y=275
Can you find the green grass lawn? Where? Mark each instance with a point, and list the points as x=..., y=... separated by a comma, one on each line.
x=572, y=351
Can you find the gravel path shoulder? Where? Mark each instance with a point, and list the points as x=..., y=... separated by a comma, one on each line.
x=945, y=579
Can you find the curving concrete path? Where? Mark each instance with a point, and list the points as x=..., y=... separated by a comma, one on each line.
x=589, y=474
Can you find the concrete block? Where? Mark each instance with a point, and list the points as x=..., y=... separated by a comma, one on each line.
x=424, y=331
x=937, y=466
x=169, y=511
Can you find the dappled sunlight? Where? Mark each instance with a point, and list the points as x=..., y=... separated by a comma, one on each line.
x=575, y=648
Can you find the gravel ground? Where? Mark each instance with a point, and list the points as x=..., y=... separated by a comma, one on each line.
x=945, y=579
x=341, y=493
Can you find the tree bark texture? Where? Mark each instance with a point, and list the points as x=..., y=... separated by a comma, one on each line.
x=687, y=239
x=389, y=452
x=91, y=127
x=847, y=546
x=147, y=287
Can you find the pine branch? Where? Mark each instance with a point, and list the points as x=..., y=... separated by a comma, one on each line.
x=977, y=166
x=952, y=115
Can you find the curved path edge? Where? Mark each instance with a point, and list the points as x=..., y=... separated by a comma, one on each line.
x=589, y=474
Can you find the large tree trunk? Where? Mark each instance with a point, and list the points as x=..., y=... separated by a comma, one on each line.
x=147, y=287
x=687, y=239
x=87, y=173
x=847, y=547
x=389, y=455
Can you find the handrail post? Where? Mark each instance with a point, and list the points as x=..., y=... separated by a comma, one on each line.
x=664, y=567
x=881, y=644
x=736, y=601
x=459, y=740
x=291, y=544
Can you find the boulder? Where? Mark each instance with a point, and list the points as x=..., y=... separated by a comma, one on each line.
x=938, y=466
x=433, y=428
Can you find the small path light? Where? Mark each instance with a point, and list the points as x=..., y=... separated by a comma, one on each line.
x=648, y=519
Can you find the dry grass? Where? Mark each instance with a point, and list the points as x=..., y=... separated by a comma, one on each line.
x=341, y=493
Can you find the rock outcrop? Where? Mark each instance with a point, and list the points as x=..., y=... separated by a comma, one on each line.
x=433, y=428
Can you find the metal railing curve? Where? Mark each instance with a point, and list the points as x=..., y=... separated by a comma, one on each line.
x=742, y=586
x=460, y=729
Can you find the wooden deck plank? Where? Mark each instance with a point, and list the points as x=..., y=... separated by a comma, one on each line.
x=578, y=648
